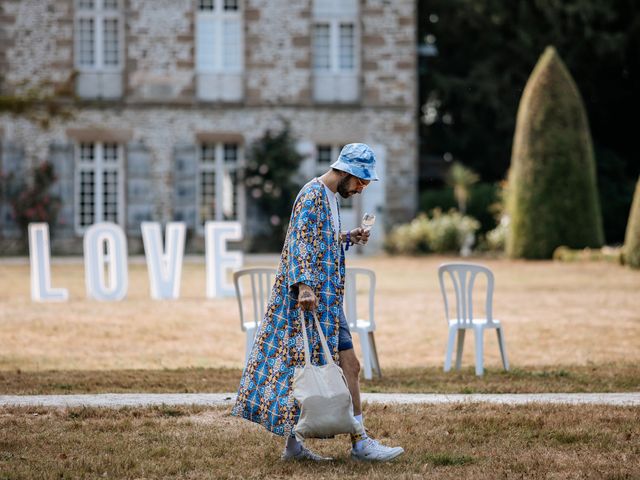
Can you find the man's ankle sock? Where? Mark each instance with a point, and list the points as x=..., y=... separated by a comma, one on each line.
x=357, y=439
x=292, y=446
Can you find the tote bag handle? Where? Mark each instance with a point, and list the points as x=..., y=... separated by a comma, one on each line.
x=323, y=340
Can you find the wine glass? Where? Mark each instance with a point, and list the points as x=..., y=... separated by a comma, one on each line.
x=368, y=219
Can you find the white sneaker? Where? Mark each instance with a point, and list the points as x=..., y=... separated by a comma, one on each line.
x=305, y=454
x=372, y=451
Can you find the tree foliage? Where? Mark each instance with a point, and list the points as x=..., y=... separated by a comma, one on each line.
x=553, y=197
x=271, y=189
x=486, y=50
x=461, y=179
x=632, y=238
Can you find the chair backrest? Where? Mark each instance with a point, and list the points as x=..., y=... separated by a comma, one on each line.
x=259, y=282
x=463, y=276
x=354, y=277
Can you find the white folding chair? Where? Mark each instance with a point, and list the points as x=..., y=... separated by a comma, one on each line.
x=364, y=327
x=257, y=281
x=463, y=276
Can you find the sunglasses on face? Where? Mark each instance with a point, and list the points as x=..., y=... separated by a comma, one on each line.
x=362, y=183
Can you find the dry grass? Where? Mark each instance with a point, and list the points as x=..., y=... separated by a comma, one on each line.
x=596, y=378
x=554, y=314
x=445, y=441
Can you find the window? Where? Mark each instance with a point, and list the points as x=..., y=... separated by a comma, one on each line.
x=335, y=44
x=325, y=156
x=219, y=50
x=218, y=189
x=334, y=47
x=99, y=184
x=98, y=35
x=99, y=46
x=219, y=40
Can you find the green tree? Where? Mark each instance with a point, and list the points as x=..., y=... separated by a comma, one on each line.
x=553, y=196
x=271, y=189
x=461, y=179
x=476, y=58
x=632, y=237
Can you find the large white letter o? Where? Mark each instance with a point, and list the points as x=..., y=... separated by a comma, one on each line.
x=105, y=262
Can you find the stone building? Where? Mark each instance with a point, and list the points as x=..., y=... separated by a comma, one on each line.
x=146, y=107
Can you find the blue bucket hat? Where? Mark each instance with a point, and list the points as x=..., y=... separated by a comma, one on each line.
x=358, y=160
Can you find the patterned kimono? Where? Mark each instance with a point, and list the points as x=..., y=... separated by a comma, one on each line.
x=312, y=254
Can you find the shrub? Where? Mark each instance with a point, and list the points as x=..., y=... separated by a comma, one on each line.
x=481, y=204
x=609, y=254
x=441, y=198
x=632, y=237
x=439, y=233
x=33, y=202
x=496, y=239
x=553, y=198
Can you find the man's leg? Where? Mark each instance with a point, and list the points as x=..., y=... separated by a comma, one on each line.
x=351, y=368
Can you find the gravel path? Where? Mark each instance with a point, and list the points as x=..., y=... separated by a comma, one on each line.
x=216, y=399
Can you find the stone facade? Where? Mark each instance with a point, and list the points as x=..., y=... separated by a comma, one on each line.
x=159, y=114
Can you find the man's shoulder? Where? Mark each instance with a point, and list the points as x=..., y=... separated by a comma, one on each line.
x=311, y=190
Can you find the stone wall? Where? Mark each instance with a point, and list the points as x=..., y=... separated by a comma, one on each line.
x=38, y=49
x=159, y=38
x=389, y=52
x=278, y=52
x=159, y=57
x=160, y=49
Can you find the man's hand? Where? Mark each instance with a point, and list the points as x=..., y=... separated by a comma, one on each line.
x=306, y=298
x=360, y=236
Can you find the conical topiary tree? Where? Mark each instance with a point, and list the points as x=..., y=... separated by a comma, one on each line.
x=553, y=197
x=632, y=236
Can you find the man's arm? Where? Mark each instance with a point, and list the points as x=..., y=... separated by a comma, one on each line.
x=302, y=248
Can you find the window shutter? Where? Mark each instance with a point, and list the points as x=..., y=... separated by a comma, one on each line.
x=12, y=163
x=61, y=157
x=185, y=177
x=140, y=200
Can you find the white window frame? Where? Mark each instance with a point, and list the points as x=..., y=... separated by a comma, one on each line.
x=98, y=166
x=334, y=45
x=218, y=16
x=98, y=14
x=218, y=166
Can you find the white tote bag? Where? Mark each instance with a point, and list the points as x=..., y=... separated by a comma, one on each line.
x=322, y=394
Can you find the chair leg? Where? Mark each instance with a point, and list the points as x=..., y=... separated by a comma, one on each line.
x=374, y=355
x=479, y=334
x=449, y=354
x=251, y=333
x=503, y=349
x=366, y=354
x=461, y=333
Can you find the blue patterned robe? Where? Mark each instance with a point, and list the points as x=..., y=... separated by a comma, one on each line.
x=312, y=255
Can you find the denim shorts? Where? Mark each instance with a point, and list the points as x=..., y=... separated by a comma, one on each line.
x=344, y=336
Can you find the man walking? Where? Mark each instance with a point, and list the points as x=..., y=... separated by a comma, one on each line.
x=310, y=276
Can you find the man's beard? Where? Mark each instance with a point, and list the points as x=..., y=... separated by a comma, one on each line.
x=343, y=186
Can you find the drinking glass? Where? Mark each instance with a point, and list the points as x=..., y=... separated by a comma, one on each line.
x=368, y=219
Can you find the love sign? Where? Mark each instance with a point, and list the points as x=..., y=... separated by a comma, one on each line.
x=105, y=260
